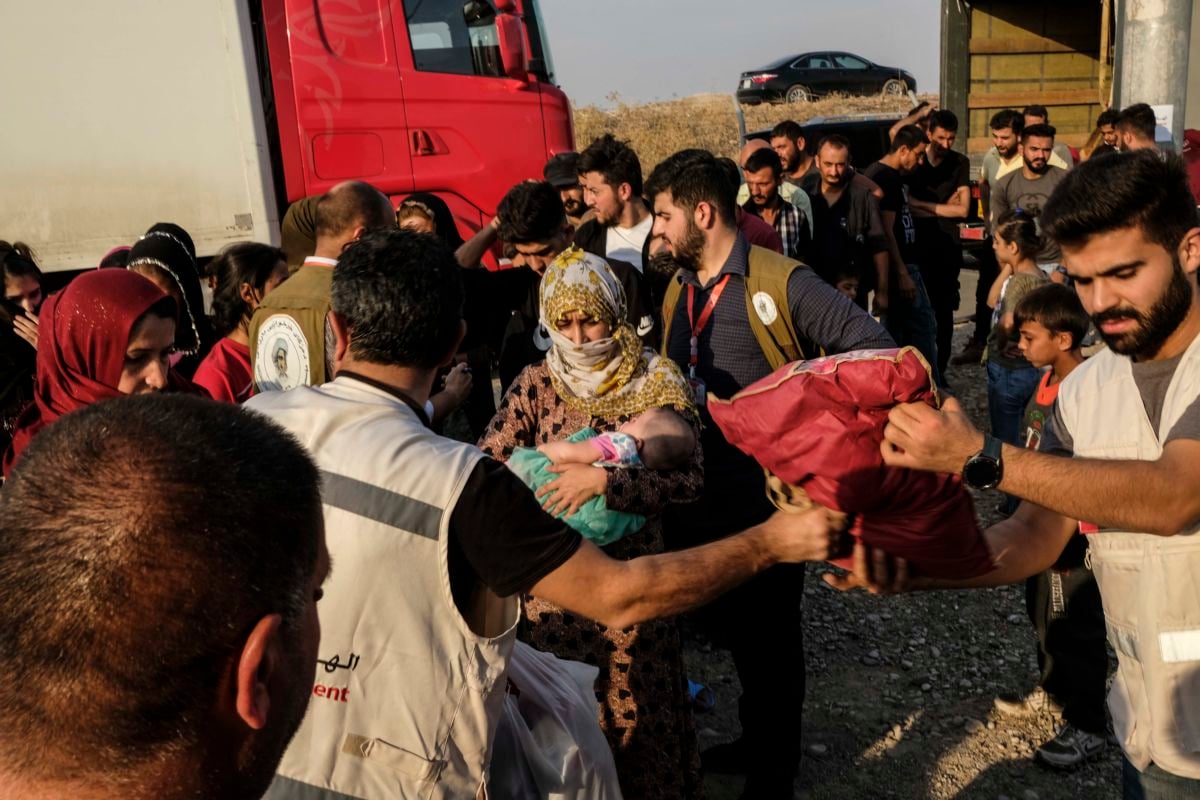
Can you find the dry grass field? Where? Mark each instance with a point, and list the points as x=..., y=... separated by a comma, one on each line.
x=655, y=130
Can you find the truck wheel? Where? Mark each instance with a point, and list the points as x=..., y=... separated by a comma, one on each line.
x=798, y=94
x=895, y=88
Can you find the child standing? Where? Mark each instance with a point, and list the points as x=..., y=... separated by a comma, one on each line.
x=1063, y=602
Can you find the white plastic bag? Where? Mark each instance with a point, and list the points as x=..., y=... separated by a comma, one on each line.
x=548, y=743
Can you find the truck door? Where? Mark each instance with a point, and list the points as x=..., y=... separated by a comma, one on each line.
x=474, y=132
x=339, y=93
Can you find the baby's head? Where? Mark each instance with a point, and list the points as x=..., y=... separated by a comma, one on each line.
x=640, y=426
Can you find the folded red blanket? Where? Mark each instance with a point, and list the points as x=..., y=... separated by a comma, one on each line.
x=817, y=426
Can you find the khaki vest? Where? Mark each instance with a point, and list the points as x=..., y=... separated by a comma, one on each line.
x=1150, y=584
x=766, y=306
x=407, y=697
x=287, y=332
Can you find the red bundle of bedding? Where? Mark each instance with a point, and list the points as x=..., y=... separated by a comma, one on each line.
x=816, y=427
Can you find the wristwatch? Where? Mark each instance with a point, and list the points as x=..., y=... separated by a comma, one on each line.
x=984, y=470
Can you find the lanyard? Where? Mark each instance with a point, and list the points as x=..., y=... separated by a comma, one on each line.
x=698, y=325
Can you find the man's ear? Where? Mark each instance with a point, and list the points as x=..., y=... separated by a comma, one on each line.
x=625, y=192
x=1189, y=251
x=462, y=332
x=341, y=337
x=1065, y=341
x=257, y=663
x=704, y=216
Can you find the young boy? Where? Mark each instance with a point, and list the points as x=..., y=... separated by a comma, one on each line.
x=1063, y=602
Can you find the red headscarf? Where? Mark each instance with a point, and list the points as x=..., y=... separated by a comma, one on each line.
x=82, y=338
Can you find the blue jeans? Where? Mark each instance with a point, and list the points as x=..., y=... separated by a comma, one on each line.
x=913, y=323
x=1008, y=392
x=1155, y=783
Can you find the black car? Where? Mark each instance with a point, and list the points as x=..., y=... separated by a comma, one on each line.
x=800, y=78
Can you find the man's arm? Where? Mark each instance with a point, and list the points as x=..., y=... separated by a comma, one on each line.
x=919, y=113
x=956, y=207
x=905, y=287
x=1159, y=497
x=829, y=319
x=623, y=593
x=470, y=253
x=878, y=242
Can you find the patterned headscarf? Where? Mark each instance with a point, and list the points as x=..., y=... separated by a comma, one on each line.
x=609, y=377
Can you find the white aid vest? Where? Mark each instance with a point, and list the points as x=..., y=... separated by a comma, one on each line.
x=1150, y=584
x=406, y=698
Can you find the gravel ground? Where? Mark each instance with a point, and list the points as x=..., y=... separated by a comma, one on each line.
x=900, y=689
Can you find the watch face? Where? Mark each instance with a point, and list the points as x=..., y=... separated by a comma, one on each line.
x=981, y=472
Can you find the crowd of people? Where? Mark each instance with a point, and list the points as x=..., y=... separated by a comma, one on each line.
x=163, y=603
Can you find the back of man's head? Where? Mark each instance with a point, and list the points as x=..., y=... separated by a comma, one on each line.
x=351, y=205
x=1036, y=112
x=142, y=538
x=400, y=294
x=765, y=158
x=1122, y=190
x=692, y=177
x=1008, y=118
x=732, y=172
x=1138, y=120
x=531, y=211
x=909, y=136
x=615, y=160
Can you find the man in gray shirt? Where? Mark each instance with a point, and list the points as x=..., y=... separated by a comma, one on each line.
x=1031, y=186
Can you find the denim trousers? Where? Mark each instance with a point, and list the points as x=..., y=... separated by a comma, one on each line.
x=1155, y=783
x=1009, y=391
x=914, y=323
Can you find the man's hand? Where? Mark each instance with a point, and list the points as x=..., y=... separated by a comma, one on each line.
x=457, y=383
x=906, y=287
x=879, y=303
x=574, y=486
x=811, y=535
x=919, y=436
x=875, y=571
x=26, y=326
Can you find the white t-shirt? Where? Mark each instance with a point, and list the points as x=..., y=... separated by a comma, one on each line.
x=625, y=244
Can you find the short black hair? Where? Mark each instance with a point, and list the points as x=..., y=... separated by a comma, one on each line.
x=401, y=295
x=1057, y=308
x=909, y=136
x=1115, y=191
x=692, y=177
x=241, y=262
x=762, y=158
x=615, y=160
x=351, y=204
x=132, y=570
x=834, y=140
x=1008, y=118
x=1036, y=111
x=943, y=118
x=1138, y=118
x=1109, y=116
x=531, y=211
x=1041, y=130
x=788, y=128
x=732, y=172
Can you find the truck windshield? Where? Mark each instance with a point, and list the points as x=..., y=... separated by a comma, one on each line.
x=541, y=62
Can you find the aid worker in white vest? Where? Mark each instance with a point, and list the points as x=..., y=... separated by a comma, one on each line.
x=432, y=542
x=1130, y=417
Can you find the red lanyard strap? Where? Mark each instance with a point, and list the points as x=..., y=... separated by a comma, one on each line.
x=706, y=313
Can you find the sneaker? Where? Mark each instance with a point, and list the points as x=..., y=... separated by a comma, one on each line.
x=1036, y=702
x=728, y=758
x=1071, y=747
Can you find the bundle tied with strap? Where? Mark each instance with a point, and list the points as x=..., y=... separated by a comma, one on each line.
x=816, y=428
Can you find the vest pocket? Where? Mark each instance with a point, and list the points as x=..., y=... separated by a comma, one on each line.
x=1174, y=570
x=377, y=751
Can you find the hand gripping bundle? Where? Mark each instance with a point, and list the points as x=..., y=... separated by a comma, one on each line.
x=816, y=427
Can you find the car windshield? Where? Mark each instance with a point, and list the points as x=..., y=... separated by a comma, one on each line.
x=538, y=44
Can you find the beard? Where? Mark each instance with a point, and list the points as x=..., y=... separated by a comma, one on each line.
x=1038, y=166
x=689, y=250
x=1155, y=325
x=1008, y=152
x=793, y=161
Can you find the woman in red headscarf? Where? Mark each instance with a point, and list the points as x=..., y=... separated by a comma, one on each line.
x=108, y=333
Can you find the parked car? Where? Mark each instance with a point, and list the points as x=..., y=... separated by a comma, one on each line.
x=797, y=79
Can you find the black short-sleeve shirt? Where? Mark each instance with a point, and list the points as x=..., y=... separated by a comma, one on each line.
x=938, y=184
x=895, y=200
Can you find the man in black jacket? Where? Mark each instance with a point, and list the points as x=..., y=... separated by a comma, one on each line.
x=612, y=188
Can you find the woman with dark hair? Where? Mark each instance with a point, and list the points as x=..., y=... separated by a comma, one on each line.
x=23, y=297
x=109, y=333
x=243, y=274
x=167, y=256
x=22, y=286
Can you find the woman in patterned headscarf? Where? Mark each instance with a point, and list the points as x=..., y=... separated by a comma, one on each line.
x=596, y=374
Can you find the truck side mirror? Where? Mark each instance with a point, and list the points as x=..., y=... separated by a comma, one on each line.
x=512, y=46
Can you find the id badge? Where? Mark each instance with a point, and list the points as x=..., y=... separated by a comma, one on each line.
x=699, y=391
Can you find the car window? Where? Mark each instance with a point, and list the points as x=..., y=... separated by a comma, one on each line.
x=845, y=61
x=445, y=39
x=814, y=62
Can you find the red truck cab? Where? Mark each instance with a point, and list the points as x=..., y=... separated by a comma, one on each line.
x=438, y=96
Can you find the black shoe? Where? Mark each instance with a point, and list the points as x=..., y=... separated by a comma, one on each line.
x=728, y=758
